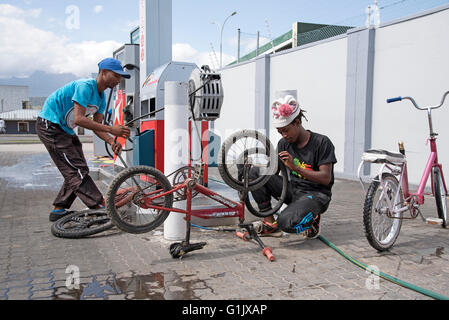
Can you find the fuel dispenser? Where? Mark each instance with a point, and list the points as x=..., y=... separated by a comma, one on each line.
x=127, y=102
x=150, y=65
x=124, y=103
x=152, y=96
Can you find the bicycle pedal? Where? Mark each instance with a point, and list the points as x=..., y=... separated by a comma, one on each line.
x=436, y=221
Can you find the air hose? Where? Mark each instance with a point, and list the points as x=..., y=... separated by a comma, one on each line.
x=363, y=266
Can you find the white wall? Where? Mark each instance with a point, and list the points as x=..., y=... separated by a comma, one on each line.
x=12, y=97
x=318, y=73
x=412, y=59
x=238, y=110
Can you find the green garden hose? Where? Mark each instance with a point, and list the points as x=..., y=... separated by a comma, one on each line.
x=385, y=276
x=379, y=274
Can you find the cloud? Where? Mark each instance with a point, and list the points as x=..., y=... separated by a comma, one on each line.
x=98, y=9
x=11, y=11
x=184, y=52
x=25, y=48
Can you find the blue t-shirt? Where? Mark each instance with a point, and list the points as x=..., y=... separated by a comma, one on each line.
x=59, y=106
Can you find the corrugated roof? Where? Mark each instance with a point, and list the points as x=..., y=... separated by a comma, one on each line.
x=18, y=115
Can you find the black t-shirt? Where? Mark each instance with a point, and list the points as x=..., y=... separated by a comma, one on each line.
x=318, y=151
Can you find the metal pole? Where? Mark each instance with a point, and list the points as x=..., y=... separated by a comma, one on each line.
x=221, y=39
x=257, y=47
x=238, y=45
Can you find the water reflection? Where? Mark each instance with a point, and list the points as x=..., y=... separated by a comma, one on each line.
x=154, y=286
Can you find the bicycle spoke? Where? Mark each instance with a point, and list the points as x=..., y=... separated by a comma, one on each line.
x=133, y=213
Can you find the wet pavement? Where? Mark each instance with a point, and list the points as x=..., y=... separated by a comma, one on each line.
x=35, y=265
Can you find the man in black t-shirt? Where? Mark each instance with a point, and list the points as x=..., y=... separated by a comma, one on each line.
x=310, y=159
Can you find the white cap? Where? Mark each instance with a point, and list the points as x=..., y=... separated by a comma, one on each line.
x=285, y=110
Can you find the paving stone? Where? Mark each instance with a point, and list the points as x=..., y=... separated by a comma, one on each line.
x=33, y=262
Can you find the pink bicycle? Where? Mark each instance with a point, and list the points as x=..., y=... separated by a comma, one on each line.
x=388, y=198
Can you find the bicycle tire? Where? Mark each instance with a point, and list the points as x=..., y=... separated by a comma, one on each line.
x=266, y=148
x=121, y=222
x=440, y=195
x=280, y=201
x=370, y=213
x=88, y=221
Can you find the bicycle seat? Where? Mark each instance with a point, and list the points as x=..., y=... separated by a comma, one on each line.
x=383, y=156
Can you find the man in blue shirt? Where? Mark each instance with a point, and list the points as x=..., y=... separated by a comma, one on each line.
x=64, y=110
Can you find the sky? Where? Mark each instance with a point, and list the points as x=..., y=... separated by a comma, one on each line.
x=71, y=36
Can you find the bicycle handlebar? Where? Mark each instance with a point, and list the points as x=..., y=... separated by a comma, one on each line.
x=416, y=105
x=394, y=99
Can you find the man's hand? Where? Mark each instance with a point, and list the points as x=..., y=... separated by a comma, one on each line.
x=116, y=147
x=120, y=131
x=322, y=176
x=287, y=160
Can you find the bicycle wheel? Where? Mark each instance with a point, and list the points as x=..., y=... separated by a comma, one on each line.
x=246, y=147
x=440, y=195
x=277, y=203
x=134, y=190
x=382, y=227
x=81, y=224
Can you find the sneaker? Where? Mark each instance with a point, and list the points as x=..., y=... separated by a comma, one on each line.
x=266, y=229
x=55, y=215
x=315, y=230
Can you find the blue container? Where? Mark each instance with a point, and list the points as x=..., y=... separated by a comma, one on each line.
x=143, y=149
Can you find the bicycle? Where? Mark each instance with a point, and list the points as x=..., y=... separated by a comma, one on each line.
x=388, y=197
x=81, y=224
x=85, y=223
x=148, y=196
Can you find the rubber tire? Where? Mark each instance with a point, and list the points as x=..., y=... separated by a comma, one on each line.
x=367, y=211
x=112, y=190
x=439, y=190
x=58, y=230
x=281, y=200
x=222, y=167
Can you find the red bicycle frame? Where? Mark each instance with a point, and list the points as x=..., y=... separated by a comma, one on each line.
x=232, y=209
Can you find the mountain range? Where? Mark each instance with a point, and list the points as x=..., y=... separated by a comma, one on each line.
x=41, y=83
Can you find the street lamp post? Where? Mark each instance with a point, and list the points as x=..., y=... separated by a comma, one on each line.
x=221, y=38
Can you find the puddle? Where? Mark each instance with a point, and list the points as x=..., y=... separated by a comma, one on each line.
x=155, y=286
x=33, y=171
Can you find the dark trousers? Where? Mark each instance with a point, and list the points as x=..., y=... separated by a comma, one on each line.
x=303, y=206
x=66, y=152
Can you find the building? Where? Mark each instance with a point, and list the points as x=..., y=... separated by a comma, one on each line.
x=13, y=97
x=343, y=82
x=20, y=121
x=301, y=34
x=37, y=102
